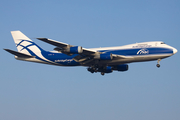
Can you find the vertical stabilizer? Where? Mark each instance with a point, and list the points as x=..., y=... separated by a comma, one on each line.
x=24, y=44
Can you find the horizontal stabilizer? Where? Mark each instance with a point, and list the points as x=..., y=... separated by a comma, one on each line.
x=19, y=54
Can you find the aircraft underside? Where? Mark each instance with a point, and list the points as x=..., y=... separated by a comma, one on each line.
x=105, y=66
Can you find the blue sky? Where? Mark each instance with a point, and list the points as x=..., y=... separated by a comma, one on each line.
x=34, y=91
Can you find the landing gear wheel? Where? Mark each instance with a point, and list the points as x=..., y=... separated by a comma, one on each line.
x=89, y=69
x=158, y=65
x=102, y=73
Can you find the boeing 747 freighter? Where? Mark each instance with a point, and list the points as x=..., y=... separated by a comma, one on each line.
x=103, y=60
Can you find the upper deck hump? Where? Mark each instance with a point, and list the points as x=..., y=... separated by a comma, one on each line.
x=135, y=45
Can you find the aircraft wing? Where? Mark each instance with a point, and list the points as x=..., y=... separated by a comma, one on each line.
x=85, y=56
x=121, y=56
x=60, y=46
x=53, y=42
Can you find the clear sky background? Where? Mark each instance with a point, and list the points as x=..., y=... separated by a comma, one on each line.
x=32, y=91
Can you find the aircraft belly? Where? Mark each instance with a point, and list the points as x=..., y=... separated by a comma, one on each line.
x=35, y=60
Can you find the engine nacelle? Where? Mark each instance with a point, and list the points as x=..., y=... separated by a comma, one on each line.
x=74, y=50
x=105, y=56
x=107, y=69
x=123, y=67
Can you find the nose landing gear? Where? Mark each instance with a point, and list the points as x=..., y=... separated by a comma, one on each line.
x=158, y=63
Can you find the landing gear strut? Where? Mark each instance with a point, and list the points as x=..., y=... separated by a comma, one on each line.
x=95, y=69
x=92, y=69
x=158, y=63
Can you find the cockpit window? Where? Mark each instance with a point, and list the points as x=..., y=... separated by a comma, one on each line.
x=162, y=43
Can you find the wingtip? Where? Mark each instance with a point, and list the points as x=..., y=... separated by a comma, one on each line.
x=41, y=38
x=5, y=49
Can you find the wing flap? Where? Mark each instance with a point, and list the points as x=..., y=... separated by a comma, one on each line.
x=88, y=51
x=80, y=58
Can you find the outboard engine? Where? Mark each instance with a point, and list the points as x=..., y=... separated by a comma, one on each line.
x=123, y=67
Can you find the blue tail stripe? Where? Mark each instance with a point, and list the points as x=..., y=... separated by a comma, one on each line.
x=32, y=43
x=31, y=52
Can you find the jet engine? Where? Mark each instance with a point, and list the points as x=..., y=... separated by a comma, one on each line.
x=123, y=67
x=107, y=69
x=74, y=50
x=105, y=56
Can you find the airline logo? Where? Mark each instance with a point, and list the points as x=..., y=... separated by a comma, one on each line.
x=143, y=51
x=24, y=44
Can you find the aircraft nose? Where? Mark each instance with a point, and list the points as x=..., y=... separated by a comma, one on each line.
x=175, y=50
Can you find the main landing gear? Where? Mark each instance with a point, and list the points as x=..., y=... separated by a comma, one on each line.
x=94, y=69
x=158, y=63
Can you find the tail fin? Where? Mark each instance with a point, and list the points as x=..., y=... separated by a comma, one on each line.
x=24, y=44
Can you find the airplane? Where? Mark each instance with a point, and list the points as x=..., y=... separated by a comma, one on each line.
x=103, y=60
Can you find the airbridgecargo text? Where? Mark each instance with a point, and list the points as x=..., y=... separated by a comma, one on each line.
x=66, y=60
x=142, y=46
